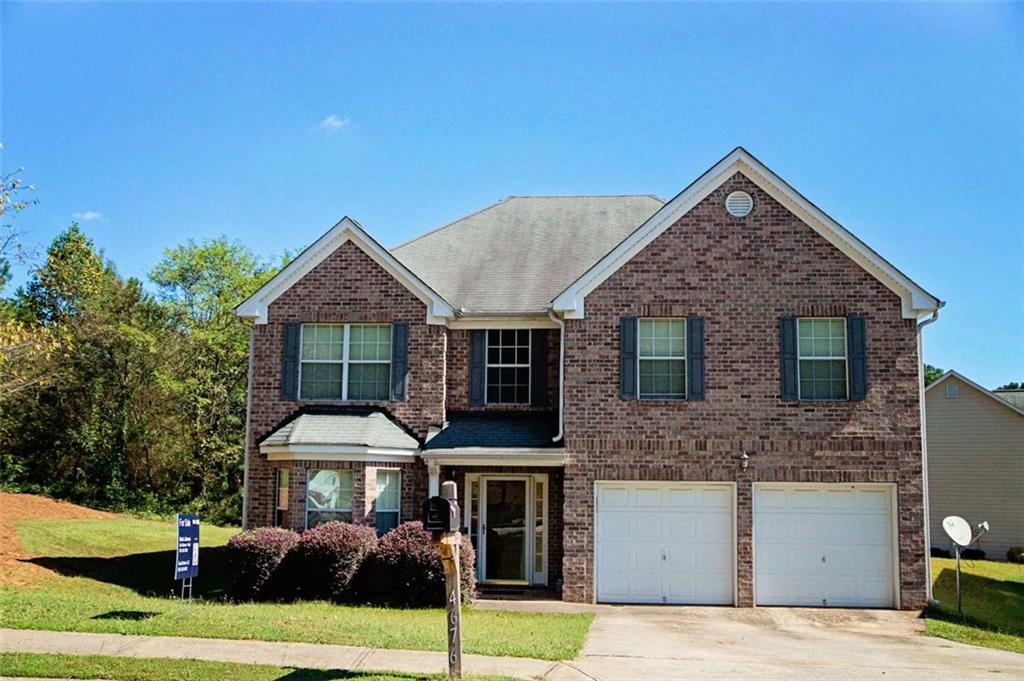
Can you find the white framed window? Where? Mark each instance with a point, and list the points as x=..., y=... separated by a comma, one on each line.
x=821, y=358
x=508, y=366
x=952, y=389
x=661, y=358
x=388, y=504
x=328, y=496
x=345, y=362
x=281, y=507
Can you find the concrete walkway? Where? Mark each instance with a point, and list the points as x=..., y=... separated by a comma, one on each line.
x=297, y=655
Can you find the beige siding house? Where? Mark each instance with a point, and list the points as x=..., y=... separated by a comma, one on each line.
x=975, y=462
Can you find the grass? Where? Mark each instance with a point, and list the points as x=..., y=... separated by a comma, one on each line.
x=151, y=669
x=993, y=604
x=114, y=576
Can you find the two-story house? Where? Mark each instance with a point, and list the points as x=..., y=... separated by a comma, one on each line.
x=714, y=399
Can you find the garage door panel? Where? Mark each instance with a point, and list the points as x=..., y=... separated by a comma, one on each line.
x=839, y=553
x=680, y=544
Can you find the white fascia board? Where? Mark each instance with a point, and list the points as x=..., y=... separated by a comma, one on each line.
x=501, y=322
x=255, y=307
x=981, y=389
x=494, y=456
x=337, y=453
x=916, y=302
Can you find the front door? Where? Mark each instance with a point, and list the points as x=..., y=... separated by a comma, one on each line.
x=504, y=502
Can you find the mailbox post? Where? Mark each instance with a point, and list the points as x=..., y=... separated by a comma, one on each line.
x=441, y=518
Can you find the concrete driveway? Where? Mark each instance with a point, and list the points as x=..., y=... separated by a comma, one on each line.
x=632, y=642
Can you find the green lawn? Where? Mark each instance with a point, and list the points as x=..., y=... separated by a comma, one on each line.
x=993, y=604
x=138, y=669
x=115, y=576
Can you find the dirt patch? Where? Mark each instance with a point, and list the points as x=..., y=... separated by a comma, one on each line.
x=17, y=507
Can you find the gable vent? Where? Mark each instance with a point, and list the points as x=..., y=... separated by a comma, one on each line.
x=739, y=204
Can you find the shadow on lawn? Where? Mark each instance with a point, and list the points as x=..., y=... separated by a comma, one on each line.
x=325, y=675
x=992, y=604
x=148, y=574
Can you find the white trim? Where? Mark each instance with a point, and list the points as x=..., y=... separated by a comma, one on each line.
x=255, y=307
x=527, y=480
x=542, y=480
x=494, y=456
x=893, y=515
x=498, y=322
x=515, y=365
x=977, y=387
x=916, y=302
x=845, y=359
x=248, y=430
x=686, y=379
x=376, y=493
x=656, y=483
x=336, y=453
x=345, y=361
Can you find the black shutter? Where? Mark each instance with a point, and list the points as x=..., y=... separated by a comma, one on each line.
x=477, y=366
x=856, y=336
x=695, y=358
x=627, y=358
x=787, y=357
x=539, y=367
x=399, y=359
x=290, y=362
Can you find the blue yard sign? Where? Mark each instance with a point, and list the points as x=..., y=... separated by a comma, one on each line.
x=186, y=563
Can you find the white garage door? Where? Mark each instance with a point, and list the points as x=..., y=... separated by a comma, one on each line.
x=824, y=545
x=664, y=543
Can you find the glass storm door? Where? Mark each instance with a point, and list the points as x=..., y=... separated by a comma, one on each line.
x=505, y=529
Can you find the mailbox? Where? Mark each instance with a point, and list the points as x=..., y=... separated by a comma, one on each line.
x=441, y=515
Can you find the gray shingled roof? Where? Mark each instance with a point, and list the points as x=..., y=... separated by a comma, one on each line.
x=358, y=430
x=497, y=429
x=1014, y=397
x=517, y=255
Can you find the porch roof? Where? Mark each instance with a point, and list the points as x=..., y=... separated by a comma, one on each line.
x=502, y=430
x=364, y=432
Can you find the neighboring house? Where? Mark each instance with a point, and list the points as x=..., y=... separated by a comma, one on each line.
x=714, y=399
x=976, y=461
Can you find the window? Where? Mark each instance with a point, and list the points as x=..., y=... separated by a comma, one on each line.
x=345, y=362
x=821, y=355
x=661, y=354
x=952, y=389
x=508, y=366
x=389, y=500
x=328, y=497
x=282, y=497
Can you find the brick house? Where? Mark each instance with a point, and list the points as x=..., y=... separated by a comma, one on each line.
x=714, y=399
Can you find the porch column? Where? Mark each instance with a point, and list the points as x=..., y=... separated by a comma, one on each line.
x=434, y=482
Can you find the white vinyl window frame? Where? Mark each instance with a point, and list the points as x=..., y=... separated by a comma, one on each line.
x=342, y=473
x=473, y=517
x=831, y=358
x=640, y=358
x=488, y=365
x=345, y=361
x=397, y=510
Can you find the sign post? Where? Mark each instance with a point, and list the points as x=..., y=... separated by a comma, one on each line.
x=441, y=517
x=186, y=559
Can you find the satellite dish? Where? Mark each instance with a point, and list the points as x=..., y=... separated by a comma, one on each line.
x=958, y=529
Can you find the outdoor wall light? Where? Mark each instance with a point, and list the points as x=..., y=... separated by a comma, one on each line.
x=744, y=460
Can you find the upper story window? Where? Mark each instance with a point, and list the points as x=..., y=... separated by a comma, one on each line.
x=822, y=359
x=661, y=356
x=508, y=366
x=345, y=362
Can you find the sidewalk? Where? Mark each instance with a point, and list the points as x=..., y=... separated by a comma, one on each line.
x=297, y=655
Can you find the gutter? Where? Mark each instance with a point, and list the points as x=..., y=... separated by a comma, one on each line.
x=561, y=375
x=926, y=510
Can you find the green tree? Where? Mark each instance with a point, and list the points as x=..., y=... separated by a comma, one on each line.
x=932, y=374
x=1013, y=385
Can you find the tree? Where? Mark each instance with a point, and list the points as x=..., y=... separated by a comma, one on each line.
x=932, y=374
x=1014, y=385
x=12, y=247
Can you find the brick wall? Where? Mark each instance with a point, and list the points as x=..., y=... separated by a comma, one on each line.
x=741, y=275
x=348, y=286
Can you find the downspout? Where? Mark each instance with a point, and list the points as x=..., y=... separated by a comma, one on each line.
x=561, y=375
x=248, y=431
x=924, y=456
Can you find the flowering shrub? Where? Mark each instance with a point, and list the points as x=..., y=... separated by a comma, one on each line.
x=329, y=557
x=406, y=569
x=255, y=558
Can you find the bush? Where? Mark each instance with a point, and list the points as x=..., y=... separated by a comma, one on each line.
x=939, y=553
x=406, y=570
x=255, y=558
x=329, y=557
x=1015, y=554
x=972, y=554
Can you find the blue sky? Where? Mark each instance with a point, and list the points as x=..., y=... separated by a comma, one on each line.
x=158, y=122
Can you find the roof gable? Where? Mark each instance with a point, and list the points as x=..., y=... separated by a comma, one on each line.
x=255, y=306
x=916, y=302
x=984, y=391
